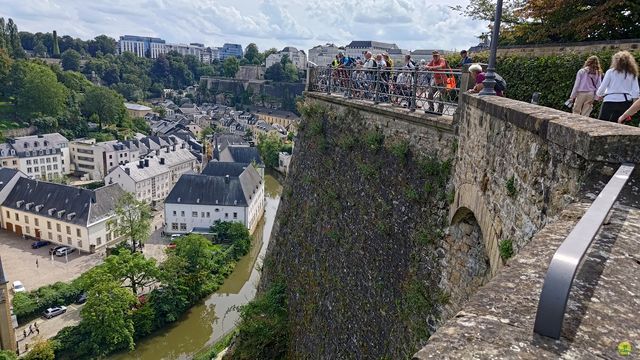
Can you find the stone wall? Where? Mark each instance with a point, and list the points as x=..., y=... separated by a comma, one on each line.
x=518, y=165
x=20, y=132
x=580, y=48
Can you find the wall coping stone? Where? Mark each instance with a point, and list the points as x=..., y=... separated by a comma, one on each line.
x=594, y=140
x=443, y=123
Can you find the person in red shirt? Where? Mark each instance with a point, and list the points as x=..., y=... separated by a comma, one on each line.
x=438, y=80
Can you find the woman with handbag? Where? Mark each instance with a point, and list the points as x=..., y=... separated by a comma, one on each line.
x=588, y=80
x=619, y=87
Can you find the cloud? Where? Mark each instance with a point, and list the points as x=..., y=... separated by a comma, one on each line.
x=269, y=23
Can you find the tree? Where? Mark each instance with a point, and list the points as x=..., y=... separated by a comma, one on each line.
x=13, y=38
x=41, y=350
x=56, y=49
x=234, y=233
x=5, y=67
x=39, y=49
x=252, y=54
x=36, y=90
x=3, y=40
x=102, y=44
x=134, y=219
x=291, y=72
x=269, y=147
x=230, y=66
x=284, y=60
x=266, y=54
x=107, y=317
x=195, y=261
x=107, y=104
x=74, y=81
x=71, y=60
x=46, y=124
x=274, y=72
x=132, y=269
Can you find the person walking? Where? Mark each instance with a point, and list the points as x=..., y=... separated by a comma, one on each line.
x=37, y=266
x=24, y=332
x=438, y=82
x=588, y=80
x=619, y=87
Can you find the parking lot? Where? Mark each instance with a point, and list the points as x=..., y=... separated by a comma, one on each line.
x=19, y=262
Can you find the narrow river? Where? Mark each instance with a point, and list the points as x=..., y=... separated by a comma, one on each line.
x=208, y=321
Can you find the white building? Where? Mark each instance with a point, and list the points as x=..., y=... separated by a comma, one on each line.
x=151, y=179
x=356, y=49
x=141, y=46
x=297, y=57
x=323, y=55
x=43, y=157
x=62, y=214
x=184, y=49
x=228, y=192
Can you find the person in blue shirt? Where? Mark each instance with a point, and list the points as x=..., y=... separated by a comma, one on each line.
x=465, y=59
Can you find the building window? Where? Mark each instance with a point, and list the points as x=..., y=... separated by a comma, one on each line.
x=68, y=230
x=174, y=226
x=99, y=241
x=28, y=162
x=69, y=240
x=50, y=236
x=8, y=215
x=183, y=227
x=208, y=214
x=182, y=213
x=235, y=215
x=36, y=221
x=78, y=232
x=79, y=243
x=60, y=238
x=55, y=167
x=58, y=228
x=226, y=215
x=26, y=219
x=17, y=217
x=27, y=229
x=217, y=210
x=175, y=213
x=108, y=237
x=194, y=214
x=29, y=170
x=49, y=225
x=202, y=214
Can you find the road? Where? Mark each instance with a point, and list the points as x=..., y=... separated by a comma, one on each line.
x=48, y=327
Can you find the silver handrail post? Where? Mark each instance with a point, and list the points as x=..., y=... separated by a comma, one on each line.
x=567, y=259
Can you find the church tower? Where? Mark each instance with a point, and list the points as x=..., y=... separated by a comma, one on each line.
x=7, y=333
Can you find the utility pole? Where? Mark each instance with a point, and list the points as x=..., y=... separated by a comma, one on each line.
x=490, y=80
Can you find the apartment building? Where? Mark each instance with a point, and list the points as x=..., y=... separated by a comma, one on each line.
x=323, y=55
x=62, y=214
x=142, y=46
x=43, y=157
x=297, y=57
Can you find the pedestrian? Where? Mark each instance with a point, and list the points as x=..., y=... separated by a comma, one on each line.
x=24, y=332
x=37, y=266
x=35, y=324
x=619, y=87
x=38, y=331
x=464, y=59
x=588, y=80
x=437, y=65
x=30, y=329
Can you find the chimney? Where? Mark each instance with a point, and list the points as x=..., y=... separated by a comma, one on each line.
x=141, y=164
x=167, y=149
x=183, y=145
x=127, y=171
x=158, y=152
x=226, y=179
x=146, y=162
x=161, y=161
x=173, y=148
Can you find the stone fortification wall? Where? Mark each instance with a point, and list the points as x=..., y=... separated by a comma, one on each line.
x=580, y=48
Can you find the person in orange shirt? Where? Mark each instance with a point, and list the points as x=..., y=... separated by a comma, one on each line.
x=438, y=80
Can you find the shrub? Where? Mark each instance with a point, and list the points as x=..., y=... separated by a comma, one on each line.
x=400, y=149
x=506, y=249
x=374, y=140
x=30, y=304
x=511, y=186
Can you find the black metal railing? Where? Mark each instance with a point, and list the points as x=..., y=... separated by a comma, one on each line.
x=567, y=259
x=432, y=91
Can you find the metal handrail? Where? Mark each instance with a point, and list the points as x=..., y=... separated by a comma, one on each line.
x=567, y=259
x=402, y=87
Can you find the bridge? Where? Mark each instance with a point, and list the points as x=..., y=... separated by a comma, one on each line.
x=523, y=175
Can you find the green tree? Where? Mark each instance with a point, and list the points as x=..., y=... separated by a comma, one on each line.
x=284, y=60
x=134, y=219
x=39, y=49
x=36, y=90
x=107, y=317
x=107, y=104
x=132, y=269
x=41, y=350
x=291, y=72
x=13, y=38
x=234, y=233
x=8, y=355
x=56, y=49
x=252, y=54
x=3, y=39
x=71, y=60
x=269, y=147
x=5, y=67
x=46, y=124
x=231, y=66
x=102, y=44
x=74, y=81
x=275, y=72
x=266, y=54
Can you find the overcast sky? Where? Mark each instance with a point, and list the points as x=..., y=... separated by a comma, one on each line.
x=417, y=24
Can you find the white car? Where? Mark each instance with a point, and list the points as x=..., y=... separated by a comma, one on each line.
x=18, y=287
x=54, y=311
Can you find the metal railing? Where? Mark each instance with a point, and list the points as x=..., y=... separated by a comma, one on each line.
x=432, y=91
x=567, y=259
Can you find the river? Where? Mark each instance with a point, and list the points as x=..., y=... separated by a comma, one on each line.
x=209, y=320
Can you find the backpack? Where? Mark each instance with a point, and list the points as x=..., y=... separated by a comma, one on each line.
x=349, y=62
x=501, y=84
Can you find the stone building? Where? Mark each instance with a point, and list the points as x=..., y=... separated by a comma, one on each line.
x=43, y=157
x=7, y=333
x=297, y=57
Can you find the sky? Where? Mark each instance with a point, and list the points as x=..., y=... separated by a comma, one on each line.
x=416, y=24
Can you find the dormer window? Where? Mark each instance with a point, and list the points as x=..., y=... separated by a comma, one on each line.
x=70, y=216
x=19, y=203
x=35, y=144
x=60, y=214
x=28, y=206
x=51, y=211
x=46, y=143
x=26, y=145
x=39, y=207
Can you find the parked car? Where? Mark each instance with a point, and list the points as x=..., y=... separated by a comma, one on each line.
x=65, y=250
x=18, y=287
x=82, y=298
x=54, y=249
x=40, y=243
x=54, y=311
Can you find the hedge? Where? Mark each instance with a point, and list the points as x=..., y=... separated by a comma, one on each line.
x=550, y=75
x=29, y=305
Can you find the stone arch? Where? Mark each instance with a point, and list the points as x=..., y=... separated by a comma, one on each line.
x=468, y=201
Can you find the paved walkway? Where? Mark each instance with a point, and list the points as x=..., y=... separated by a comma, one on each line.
x=48, y=327
x=602, y=312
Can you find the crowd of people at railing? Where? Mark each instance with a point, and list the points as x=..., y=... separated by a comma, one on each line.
x=377, y=77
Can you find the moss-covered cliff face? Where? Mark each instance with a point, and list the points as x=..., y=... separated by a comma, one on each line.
x=355, y=242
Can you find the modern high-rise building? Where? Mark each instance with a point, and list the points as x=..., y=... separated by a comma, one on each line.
x=228, y=50
x=142, y=46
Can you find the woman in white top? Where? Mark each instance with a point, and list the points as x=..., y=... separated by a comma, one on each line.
x=619, y=87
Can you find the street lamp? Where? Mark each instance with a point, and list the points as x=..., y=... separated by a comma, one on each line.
x=490, y=79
